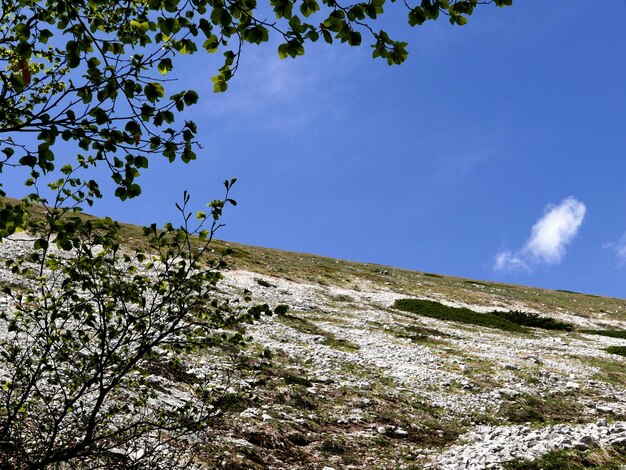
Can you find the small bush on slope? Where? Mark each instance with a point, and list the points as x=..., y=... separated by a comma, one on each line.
x=610, y=333
x=439, y=311
x=601, y=459
x=619, y=350
x=535, y=321
x=507, y=321
x=93, y=331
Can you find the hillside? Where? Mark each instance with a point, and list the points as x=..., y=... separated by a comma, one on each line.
x=359, y=380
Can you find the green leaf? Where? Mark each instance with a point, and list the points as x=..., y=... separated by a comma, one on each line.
x=28, y=160
x=165, y=65
x=154, y=91
x=417, y=16
x=44, y=35
x=211, y=44
x=220, y=82
x=142, y=26
x=191, y=97
x=283, y=51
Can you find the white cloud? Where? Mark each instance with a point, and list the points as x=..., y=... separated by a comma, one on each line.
x=555, y=230
x=549, y=237
x=619, y=248
x=280, y=94
x=509, y=261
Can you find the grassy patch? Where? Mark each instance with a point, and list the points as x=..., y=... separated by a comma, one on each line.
x=306, y=326
x=577, y=293
x=264, y=283
x=477, y=283
x=569, y=291
x=233, y=402
x=507, y=321
x=332, y=341
x=534, y=321
x=439, y=311
x=610, y=333
x=436, y=276
x=172, y=369
x=301, y=324
x=528, y=408
x=415, y=333
x=297, y=397
x=605, y=459
x=297, y=380
x=611, y=370
x=418, y=334
x=619, y=350
x=334, y=445
x=424, y=424
x=342, y=298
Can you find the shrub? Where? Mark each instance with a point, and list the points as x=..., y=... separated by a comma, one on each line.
x=88, y=324
x=611, y=333
x=507, y=321
x=431, y=309
x=535, y=321
x=619, y=350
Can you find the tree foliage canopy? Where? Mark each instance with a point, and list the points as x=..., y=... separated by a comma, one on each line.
x=95, y=329
x=86, y=84
x=94, y=74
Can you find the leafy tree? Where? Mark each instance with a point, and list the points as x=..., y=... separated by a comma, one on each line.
x=90, y=332
x=89, y=317
x=93, y=73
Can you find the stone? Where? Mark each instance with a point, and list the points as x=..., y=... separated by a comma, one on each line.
x=590, y=441
x=249, y=413
x=401, y=432
x=579, y=445
x=618, y=440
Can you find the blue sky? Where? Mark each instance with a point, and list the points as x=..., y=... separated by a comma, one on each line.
x=496, y=152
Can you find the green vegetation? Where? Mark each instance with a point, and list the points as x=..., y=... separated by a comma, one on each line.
x=414, y=333
x=601, y=459
x=291, y=379
x=612, y=369
x=439, y=311
x=335, y=445
x=297, y=396
x=575, y=293
x=99, y=321
x=548, y=409
x=264, y=283
x=306, y=326
x=619, y=350
x=418, y=334
x=609, y=333
x=507, y=321
x=569, y=291
x=534, y=321
x=436, y=276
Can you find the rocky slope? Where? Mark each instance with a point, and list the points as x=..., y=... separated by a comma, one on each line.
x=491, y=396
x=356, y=383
